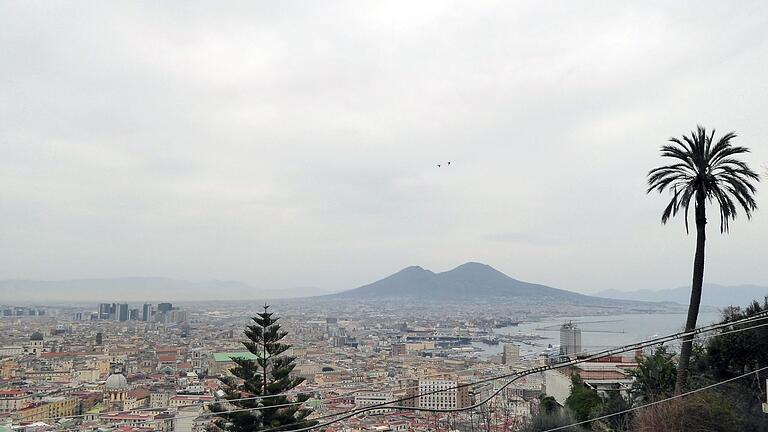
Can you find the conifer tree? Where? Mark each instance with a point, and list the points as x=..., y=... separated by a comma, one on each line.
x=267, y=375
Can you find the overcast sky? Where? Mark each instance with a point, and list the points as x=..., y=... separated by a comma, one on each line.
x=289, y=144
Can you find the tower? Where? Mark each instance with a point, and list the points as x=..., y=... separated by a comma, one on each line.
x=36, y=344
x=570, y=339
x=115, y=389
x=104, y=309
x=146, y=312
x=122, y=312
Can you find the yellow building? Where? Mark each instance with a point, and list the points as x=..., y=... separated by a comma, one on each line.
x=48, y=375
x=47, y=408
x=103, y=365
x=14, y=400
x=9, y=369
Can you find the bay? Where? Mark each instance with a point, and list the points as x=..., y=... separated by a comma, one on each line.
x=598, y=332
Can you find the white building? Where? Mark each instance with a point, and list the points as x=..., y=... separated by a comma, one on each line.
x=11, y=351
x=367, y=399
x=570, y=339
x=14, y=400
x=558, y=385
x=442, y=394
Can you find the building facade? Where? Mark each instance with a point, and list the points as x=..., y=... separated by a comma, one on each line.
x=570, y=339
x=510, y=354
x=442, y=394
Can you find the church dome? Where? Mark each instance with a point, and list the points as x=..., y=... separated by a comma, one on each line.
x=116, y=381
x=36, y=336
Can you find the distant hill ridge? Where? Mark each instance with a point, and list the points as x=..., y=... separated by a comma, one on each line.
x=132, y=289
x=471, y=280
x=712, y=294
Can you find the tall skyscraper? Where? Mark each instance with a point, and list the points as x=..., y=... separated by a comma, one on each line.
x=122, y=312
x=104, y=309
x=570, y=339
x=164, y=307
x=146, y=312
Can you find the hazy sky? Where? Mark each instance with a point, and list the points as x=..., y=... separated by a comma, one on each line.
x=290, y=144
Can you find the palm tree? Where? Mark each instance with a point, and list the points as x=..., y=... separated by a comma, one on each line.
x=703, y=172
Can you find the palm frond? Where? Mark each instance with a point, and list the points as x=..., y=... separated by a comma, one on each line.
x=705, y=172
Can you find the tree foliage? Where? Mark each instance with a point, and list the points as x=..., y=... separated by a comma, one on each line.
x=616, y=403
x=733, y=406
x=737, y=353
x=705, y=171
x=267, y=375
x=702, y=412
x=549, y=405
x=545, y=421
x=654, y=377
x=583, y=401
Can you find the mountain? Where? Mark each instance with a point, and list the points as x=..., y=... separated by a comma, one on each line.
x=467, y=281
x=712, y=295
x=137, y=289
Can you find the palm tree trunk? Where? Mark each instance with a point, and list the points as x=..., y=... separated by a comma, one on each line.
x=696, y=286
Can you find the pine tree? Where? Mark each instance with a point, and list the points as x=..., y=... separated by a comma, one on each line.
x=266, y=375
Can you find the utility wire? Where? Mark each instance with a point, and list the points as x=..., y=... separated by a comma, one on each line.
x=515, y=376
x=350, y=413
x=603, y=417
x=660, y=340
x=223, y=401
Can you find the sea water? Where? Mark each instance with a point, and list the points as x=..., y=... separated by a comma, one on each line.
x=612, y=331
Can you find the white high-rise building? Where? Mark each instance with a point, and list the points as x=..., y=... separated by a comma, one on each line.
x=570, y=339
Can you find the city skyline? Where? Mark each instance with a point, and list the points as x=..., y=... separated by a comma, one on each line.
x=421, y=284
x=383, y=216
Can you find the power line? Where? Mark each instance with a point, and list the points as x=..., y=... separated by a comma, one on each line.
x=603, y=417
x=515, y=376
x=222, y=401
x=660, y=340
x=350, y=413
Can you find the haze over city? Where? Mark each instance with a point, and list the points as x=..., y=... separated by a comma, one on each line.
x=291, y=144
x=349, y=216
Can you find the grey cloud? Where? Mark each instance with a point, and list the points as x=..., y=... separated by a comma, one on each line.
x=523, y=238
x=294, y=143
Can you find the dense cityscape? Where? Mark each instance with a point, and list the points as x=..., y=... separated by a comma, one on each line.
x=162, y=366
x=399, y=216
x=150, y=367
